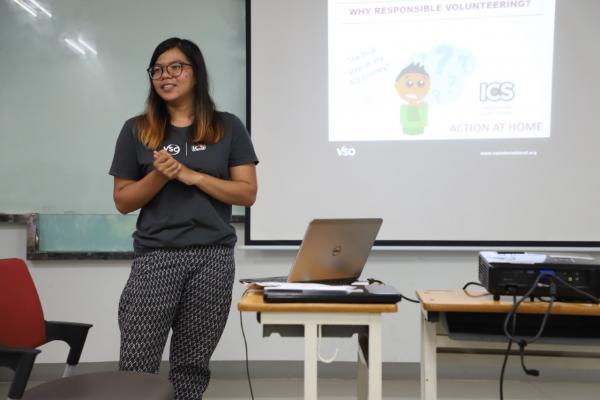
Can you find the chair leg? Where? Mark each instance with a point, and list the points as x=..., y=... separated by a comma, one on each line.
x=21, y=362
x=69, y=370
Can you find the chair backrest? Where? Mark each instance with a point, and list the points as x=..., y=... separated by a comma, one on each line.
x=21, y=317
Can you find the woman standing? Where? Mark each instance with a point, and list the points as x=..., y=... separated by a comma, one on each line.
x=183, y=164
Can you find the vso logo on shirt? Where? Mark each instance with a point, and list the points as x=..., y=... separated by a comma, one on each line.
x=172, y=149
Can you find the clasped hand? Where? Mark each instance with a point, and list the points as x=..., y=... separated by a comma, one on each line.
x=171, y=168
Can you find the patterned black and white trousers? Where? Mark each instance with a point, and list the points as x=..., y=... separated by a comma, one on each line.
x=187, y=290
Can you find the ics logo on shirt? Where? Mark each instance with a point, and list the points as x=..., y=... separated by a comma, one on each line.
x=172, y=149
x=198, y=147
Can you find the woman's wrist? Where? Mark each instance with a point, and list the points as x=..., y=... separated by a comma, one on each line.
x=159, y=176
x=198, y=178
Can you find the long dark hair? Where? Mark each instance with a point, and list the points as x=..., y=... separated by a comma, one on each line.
x=207, y=127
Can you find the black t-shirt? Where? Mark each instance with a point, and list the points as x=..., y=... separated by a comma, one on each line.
x=181, y=215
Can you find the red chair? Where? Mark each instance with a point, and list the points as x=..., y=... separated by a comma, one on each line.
x=23, y=328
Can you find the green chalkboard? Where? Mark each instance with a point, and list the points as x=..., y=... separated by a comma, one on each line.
x=83, y=233
x=99, y=233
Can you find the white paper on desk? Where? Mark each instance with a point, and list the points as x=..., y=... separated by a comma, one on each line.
x=263, y=284
x=573, y=256
x=309, y=286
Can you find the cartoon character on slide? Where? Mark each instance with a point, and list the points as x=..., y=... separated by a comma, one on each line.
x=412, y=84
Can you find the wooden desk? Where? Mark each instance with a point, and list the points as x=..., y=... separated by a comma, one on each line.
x=438, y=305
x=364, y=319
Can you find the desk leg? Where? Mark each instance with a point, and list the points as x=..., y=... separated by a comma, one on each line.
x=428, y=358
x=369, y=362
x=310, y=361
x=362, y=378
x=375, y=358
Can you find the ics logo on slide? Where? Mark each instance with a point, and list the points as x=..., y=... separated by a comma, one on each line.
x=346, y=151
x=496, y=91
x=172, y=149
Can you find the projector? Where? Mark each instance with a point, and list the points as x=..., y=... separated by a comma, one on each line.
x=513, y=274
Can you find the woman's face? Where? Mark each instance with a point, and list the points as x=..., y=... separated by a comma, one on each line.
x=174, y=89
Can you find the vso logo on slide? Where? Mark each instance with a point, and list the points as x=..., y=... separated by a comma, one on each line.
x=172, y=149
x=496, y=91
x=346, y=151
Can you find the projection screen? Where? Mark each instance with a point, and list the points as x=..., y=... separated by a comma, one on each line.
x=460, y=123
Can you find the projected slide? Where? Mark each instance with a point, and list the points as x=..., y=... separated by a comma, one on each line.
x=440, y=70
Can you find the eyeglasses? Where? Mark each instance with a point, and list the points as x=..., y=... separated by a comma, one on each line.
x=174, y=69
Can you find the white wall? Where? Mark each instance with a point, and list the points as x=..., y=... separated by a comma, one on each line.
x=88, y=291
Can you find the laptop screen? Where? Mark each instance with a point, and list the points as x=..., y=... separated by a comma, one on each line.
x=334, y=250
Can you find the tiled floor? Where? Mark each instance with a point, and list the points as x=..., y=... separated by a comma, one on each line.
x=338, y=389
x=332, y=389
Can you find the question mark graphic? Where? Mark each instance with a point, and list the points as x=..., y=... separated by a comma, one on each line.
x=462, y=60
x=451, y=82
x=467, y=62
x=445, y=52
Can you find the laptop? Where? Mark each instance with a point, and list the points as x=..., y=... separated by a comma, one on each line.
x=372, y=294
x=333, y=251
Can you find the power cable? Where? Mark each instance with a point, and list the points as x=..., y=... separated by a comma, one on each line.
x=246, y=351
